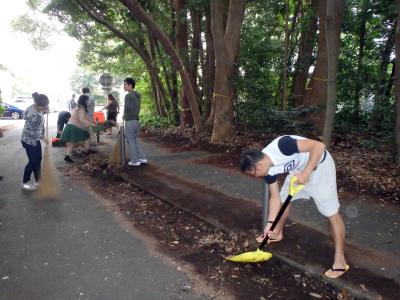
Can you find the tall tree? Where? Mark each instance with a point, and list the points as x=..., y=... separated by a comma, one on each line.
x=140, y=14
x=316, y=92
x=397, y=83
x=305, y=58
x=334, y=15
x=226, y=35
x=363, y=16
x=381, y=101
x=137, y=46
x=285, y=57
x=209, y=70
x=181, y=41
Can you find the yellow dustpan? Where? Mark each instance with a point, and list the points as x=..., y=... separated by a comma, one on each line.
x=259, y=255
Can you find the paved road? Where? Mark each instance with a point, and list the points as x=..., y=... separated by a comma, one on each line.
x=74, y=247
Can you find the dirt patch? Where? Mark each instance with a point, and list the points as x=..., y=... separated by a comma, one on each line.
x=185, y=238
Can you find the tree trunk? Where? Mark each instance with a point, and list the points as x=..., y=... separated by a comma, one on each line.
x=170, y=79
x=285, y=57
x=293, y=34
x=196, y=53
x=157, y=98
x=397, y=84
x=334, y=16
x=360, y=59
x=186, y=119
x=159, y=91
x=138, y=12
x=380, y=100
x=227, y=45
x=305, y=58
x=209, y=72
x=388, y=90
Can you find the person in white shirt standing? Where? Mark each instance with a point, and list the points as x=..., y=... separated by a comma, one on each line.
x=314, y=167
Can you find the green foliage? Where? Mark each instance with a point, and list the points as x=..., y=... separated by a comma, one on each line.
x=260, y=67
x=2, y=109
x=39, y=33
x=261, y=54
x=150, y=120
x=351, y=76
x=82, y=78
x=144, y=88
x=264, y=119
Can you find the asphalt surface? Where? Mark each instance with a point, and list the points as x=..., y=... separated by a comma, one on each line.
x=372, y=225
x=75, y=247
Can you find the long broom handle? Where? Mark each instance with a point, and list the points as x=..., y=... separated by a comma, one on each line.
x=47, y=128
x=276, y=221
x=293, y=190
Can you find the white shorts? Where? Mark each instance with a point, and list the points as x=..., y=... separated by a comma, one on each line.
x=321, y=187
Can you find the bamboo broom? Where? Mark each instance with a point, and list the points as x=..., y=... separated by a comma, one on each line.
x=48, y=185
x=116, y=156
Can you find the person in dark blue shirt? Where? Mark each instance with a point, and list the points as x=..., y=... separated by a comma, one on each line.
x=63, y=118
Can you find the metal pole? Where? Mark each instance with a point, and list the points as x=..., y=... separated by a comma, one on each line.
x=98, y=132
x=122, y=141
x=265, y=203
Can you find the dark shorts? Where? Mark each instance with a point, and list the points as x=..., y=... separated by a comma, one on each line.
x=112, y=116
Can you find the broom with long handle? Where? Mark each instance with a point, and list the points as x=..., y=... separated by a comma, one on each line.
x=117, y=155
x=48, y=185
x=259, y=255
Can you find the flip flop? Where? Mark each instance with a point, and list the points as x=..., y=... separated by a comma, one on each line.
x=332, y=276
x=274, y=240
x=270, y=240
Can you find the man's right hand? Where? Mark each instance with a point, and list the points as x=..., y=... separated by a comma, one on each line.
x=265, y=233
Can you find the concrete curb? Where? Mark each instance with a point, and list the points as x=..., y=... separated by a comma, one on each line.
x=190, y=196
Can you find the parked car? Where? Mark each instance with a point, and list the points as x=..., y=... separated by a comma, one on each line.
x=22, y=102
x=12, y=111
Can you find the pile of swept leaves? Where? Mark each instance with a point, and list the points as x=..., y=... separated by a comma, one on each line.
x=359, y=168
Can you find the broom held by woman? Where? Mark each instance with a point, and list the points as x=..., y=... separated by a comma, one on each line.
x=77, y=129
x=31, y=134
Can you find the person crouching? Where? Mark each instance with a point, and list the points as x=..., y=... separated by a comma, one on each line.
x=77, y=129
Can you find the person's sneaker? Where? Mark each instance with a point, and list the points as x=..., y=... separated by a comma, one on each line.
x=134, y=163
x=36, y=184
x=28, y=187
x=67, y=158
x=142, y=160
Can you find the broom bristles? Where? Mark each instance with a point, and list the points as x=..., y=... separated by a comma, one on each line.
x=48, y=185
x=115, y=156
